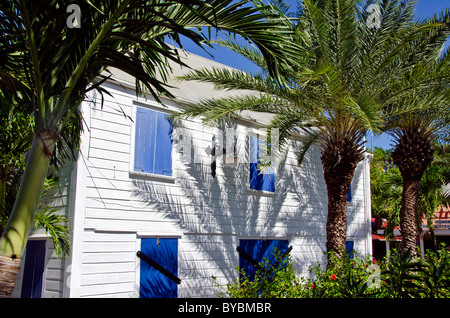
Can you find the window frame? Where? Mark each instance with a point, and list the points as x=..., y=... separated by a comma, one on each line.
x=142, y=174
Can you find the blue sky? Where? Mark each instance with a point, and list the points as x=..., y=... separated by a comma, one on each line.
x=424, y=8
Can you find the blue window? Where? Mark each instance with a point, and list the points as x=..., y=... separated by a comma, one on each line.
x=153, y=142
x=259, y=251
x=259, y=180
x=349, y=194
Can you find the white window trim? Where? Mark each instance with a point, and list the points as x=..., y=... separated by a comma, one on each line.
x=261, y=192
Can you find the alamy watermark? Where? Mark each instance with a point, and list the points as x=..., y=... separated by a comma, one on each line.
x=374, y=279
x=74, y=19
x=374, y=19
x=261, y=149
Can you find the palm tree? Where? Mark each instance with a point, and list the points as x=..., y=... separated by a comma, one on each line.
x=16, y=135
x=416, y=120
x=387, y=189
x=414, y=134
x=62, y=59
x=339, y=84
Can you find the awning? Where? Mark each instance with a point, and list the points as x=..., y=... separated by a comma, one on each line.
x=377, y=237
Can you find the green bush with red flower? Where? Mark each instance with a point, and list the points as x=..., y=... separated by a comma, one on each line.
x=346, y=278
x=396, y=276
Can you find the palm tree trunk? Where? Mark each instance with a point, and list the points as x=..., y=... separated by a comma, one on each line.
x=15, y=235
x=339, y=161
x=412, y=154
x=336, y=228
x=8, y=271
x=408, y=222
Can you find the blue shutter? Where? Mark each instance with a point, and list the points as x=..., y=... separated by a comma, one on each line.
x=349, y=245
x=154, y=284
x=255, y=249
x=258, y=180
x=255, y=179
x=34, y=269
x=349, y=194
x=260, y=250
x=153, y=142
x=145, y=140
x=271, y=246
x=268, y=182
x=163, y=162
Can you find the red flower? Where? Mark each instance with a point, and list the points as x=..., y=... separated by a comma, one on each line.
x=374, y=261
x=312, y=286
x=333, y=277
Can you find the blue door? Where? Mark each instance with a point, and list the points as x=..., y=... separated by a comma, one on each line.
x=159, y=268
x=33, y=270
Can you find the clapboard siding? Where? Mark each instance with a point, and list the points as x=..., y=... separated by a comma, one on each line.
x=58, y=198
x=204, y=256
x=54, y=274
x=108, y=264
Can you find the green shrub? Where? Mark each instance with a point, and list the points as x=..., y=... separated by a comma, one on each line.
x=401, y=276
x=346, y=278
x=436, y=274
x=280, y=282
x=396, y=276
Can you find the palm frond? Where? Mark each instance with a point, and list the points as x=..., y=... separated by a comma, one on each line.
x=366, y=111
x=231, y=79
x=246, y=51
x=215, y=111
x=287, y=124
x=312, y=137
x=129, y=35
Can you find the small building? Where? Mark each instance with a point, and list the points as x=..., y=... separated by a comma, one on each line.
x=441, y=228
x=381, y=245
x=157, y=210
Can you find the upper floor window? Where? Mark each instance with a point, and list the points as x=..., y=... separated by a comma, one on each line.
x=153, y=142
x=262, y=179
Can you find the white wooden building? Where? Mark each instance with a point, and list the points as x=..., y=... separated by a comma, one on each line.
x=124, y=196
